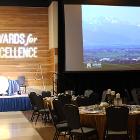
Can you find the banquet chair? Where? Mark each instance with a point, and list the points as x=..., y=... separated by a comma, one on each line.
x=117, y=123
x=61, y=127
x=32, y=97
x=68, y=98
x=58, y=108
x=126, y=96
x=41, y=110
x=135, y=92
x=46, y=94
x=64, y=98
x=76, y=130
x=93, y=99
x=82, y=101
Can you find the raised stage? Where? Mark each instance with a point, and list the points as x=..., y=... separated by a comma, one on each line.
x=14, y=103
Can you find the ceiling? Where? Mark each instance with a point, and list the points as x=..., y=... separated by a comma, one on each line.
x=32, y=3
x=105, y=2
x=46, y=3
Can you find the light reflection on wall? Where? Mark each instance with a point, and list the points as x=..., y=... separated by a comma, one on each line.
x=3, y=85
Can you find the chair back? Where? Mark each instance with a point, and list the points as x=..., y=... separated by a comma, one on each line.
x=135, y=93
x=68, y=98
x=39, y=102
x=72, y=116
x=82, y=101
x=32, y=97
x=93, y=98
x=117, y=118
x=53, y=115
x=58, y=108
x=65, y=98
x=46, y=94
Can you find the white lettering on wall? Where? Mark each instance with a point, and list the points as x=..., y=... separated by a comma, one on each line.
x=23, y=51
x=20, y=52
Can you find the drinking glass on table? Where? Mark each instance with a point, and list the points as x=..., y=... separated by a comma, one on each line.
x=132, y=108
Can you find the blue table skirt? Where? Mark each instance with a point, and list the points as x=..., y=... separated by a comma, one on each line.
x=15, y=104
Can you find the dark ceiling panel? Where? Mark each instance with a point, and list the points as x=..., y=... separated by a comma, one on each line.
x=105, y=2
x=32, y=3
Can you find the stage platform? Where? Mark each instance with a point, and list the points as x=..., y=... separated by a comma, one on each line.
x=14, y=103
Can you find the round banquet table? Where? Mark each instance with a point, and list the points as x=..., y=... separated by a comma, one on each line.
x=98, y=120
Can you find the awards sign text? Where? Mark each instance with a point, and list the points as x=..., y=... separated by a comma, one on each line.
x=20, y=45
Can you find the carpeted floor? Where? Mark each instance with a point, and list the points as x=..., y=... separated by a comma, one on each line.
x=46, y=131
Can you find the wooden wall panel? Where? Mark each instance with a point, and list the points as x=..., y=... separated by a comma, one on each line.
x=28, y=20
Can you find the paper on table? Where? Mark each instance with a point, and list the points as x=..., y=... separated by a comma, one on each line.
x=90, y=112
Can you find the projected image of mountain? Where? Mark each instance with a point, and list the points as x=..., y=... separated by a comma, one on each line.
x=111, y=37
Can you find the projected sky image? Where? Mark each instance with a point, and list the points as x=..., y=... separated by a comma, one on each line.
x=111, y=37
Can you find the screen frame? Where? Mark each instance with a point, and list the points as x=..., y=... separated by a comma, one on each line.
x=61, y=33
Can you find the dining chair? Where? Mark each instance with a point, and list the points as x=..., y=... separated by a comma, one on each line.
x=32, y=97
x=117, y=123
x=46, y=94
x=135, y=92
x=58, y=108
x=61, y=127
x=82, y=101
x=76, y=130
x=41, y=110
x=64, y=98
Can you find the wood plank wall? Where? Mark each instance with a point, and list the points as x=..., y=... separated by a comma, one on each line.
x=28, y=20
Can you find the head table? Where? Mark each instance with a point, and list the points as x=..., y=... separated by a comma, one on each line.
x=15, y=103
x=92, y=117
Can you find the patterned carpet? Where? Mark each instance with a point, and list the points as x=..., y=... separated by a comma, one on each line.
x=46, y=131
